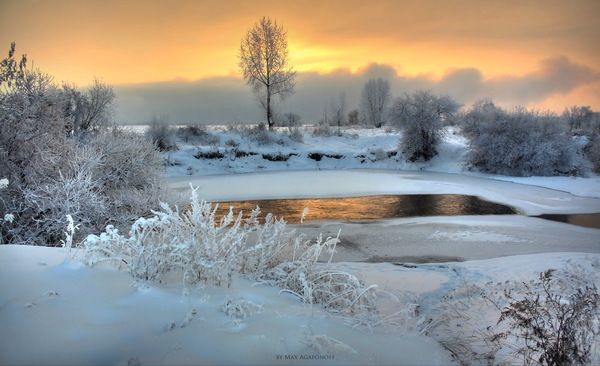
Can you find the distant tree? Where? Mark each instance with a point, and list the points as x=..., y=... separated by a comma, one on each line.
x=291, y=120
x=338, y=110
x=375, y=98
x=91, y=109
x=577, y=118
x=420, y=118
x=353, y=117
x=264, y=63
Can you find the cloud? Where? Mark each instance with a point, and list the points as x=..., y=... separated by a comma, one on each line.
x=228, y=100
x=557, y=75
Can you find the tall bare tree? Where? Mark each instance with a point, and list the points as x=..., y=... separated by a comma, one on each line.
x=338, y=108
x=264, y=62
x=375, y=97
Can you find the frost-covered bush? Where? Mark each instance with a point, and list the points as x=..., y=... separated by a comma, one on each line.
x=190, y=242
x=519, y=143
x=34, y=157
x=261, y=135
x=95, y=177
x=323, y=129
x=527, y=321
x=199, y=135
x=204, y=249
x=420, y=117
x=556, y=326
x=115, y=178
x=32, y=131
x=378, y=154
x=47, y=206
x=296, y=135
x=239, y=308
x=129, y=171
x=161, y=134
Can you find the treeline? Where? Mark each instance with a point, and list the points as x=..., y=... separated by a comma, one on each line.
x=516, y=142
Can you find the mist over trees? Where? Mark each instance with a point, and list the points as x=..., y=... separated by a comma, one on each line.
x=264, y=63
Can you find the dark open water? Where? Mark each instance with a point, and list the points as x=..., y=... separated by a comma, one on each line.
x=388, y=207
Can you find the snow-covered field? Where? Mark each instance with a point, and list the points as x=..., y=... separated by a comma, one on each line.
x=53, y=310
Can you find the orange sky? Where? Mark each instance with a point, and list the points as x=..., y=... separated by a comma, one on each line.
x=126, y=42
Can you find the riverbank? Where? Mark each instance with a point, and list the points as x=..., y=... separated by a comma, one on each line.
x=528, y=197
x=423, y=239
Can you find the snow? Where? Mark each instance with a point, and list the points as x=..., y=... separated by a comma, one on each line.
x=54, y=310
x=101, y=316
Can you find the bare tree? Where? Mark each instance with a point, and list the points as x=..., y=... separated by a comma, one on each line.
x=375, y=97
x=91, y=109
x=97, y=106
x=264, y=62
x=577, y=117
x=338, y=109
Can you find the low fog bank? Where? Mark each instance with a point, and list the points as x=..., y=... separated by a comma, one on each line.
x=227, y=99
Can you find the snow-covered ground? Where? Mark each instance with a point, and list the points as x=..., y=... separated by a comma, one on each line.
x=54, y=310
x=409, y=239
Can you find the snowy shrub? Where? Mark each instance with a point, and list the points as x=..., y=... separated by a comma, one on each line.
x=97, y=177
x=190, y=242
x=210, y=251
x=32, y=131
x=278, y=156
x=199, y=135
x=240, y=308
x=295, y=134
x=323, y=129
x=420, y=118
x=519, y=143
x=48, y=206
x=261, y=135
x=35, y=155
x=232, y=143
x=556, y=326
x=129, y=171
x=378, y=154
x=161, y=134
x=538, y=321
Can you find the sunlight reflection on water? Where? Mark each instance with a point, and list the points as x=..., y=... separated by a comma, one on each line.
x=369, y=207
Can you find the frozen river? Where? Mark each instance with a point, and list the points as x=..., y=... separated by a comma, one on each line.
x=420, y=239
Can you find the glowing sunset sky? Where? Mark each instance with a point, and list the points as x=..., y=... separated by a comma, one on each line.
x=179, y=58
